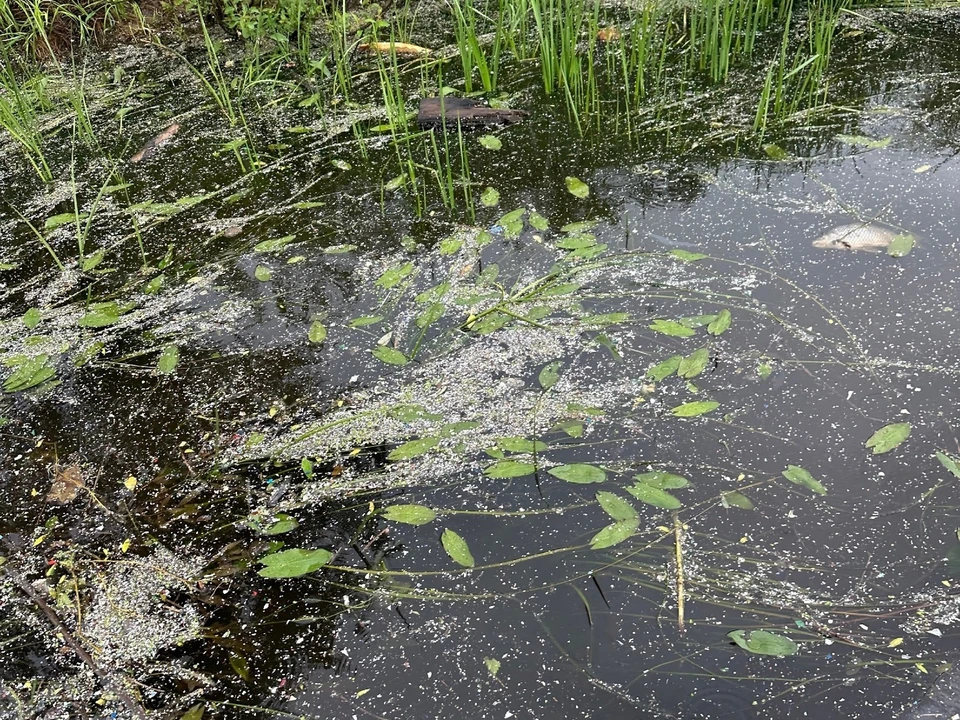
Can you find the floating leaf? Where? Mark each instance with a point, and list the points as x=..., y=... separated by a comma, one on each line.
x=579, y=473
x=493, y=665
x=341, y=164
x=587, y=252
x=490, y=142
x=694, y=363
x=457, y=427
x=31, y=318
x=949, y=463
x=687, y=256
x=764, y=370
x=509, y=469
x=429, y=316
x=392, y=277
x=616, y=507
x=671, y=328
x=293, y=563
x=339, y=249
x=550, y=374
x=274, y=245
x=395, y=183
x=282, y=524
x=692, y=409
x=697, y=321
x=89, y=262
x=762, y=642
x=409, y=413
x=63, y=219
x=775, y=152
x=317, y=332
x=538, y=221
x=606, y=318
x=195, y=712
x=576, y=187
x=168, y=360
x=573, y=428
x=662, y=480
x=410, y=514
x=888, y=437
x=520, y=445
x=737, y=500
x=864, y=141
x=457, y=548
x=576, y=242
x=614, y=533
x=262, y=273
x=365, y=320
x=901, y=245
x=654, y=496
x=799, y=476
x=101, y=315
x=389, y=355
x=490, y=197
x=413, y=448
x=721, y=324
x=665, y=369
x=561, y=289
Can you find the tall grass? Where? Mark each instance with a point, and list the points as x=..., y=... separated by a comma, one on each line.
x=21, y=100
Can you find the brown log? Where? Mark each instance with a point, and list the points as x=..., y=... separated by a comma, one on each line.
x=451, y=111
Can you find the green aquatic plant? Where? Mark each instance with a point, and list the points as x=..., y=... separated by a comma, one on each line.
x=21, y=101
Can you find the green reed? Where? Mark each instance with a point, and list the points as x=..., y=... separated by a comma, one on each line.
x=20, y=104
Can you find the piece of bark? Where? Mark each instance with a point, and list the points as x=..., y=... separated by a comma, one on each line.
x=155, y=143
x=435, y=111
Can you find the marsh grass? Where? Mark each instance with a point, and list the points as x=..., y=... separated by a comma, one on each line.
x=21, y=101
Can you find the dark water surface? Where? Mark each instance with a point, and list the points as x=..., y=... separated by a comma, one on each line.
x=825, y=348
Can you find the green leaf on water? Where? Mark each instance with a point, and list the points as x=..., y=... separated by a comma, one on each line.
x=31, y=318
x=696, y=321
x=579, y=227
x=409, y=413
x=576, y=242
x=101, y=315
x=520, y=445
x=614, y=533
x=341, y=164
x=671, y=328
x=493, y=665
x=450, y=245
x=509, y=469
x=457, y=427
x=365, y=320
x=273, y=245
x=429, y=316
x=392, y=277
x=27, y=372
x=721, y=324
x=616, y=507
x=799, y=476
x=737, y=500
x=665, y=369
x=512, y=216
x=775, y=152
x=168, y=360
x=561, y=289
x=490, y=142
x=687, y=256
x=694, y=363
x=580, y=473
x=293, y=563
x=89, y=262
x=490, y=197
x=901, y=245
x=576, y=187
x=413, y=448
x=317, y=332
x=395, y=183
x=645, y=492
x=573, y=428
x=389, y=355
x=283, y=523
x=692, y=409
x=864, y=141
x=950, y=463
x=410, y=514
x=606, y=318
x=56, y=221
x=538, y=221
x=550, y=374
x=263, y=273
x=764, y=370
x=457, y=548
x=153, y=287
x=339, y=249
x=195, y=712
x=662, y=480
x=762, y=642
x=888, y=437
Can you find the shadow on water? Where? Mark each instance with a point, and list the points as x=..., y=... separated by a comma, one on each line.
x=577, y=546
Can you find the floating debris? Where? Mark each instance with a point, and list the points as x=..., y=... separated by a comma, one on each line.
x=435, y=111
x=867, y=237
x=400, y=49
x=155, y=143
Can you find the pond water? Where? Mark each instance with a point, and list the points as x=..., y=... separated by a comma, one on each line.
x=202, y=419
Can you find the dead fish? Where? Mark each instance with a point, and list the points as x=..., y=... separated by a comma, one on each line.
x=401, y=49
x=858, y=236
x=155, y=143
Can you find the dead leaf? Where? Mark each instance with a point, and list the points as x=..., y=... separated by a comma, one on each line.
x=67, y=483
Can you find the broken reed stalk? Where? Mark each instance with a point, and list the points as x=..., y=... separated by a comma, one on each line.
x=678, y=557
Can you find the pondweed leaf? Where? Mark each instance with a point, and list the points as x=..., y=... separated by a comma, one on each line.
x=576, y=187
x=429, y=316
x=283, y=523
x=737, y=500
x=579, y=473
x=450, y=245
x=457, y=427
x=392, y=277
x=538, y=221
x=888, y=437
x=262, y=273
x=614, y=533
x=799, y=476
x=697, y=321
x=63, y=219
x=580, y=226
x=644, y=492
x=665, y=369
x=561, y=289
x=864, y=141
x=490, y=142
x=317, y=332
x=662, y=480
x=457, y=548
x=694, y=363
x=293, y=563
x=549, y=374
x=901, y=245
x=949, y=463
x=168, y=360
x=686, y=255
x=490, y=197
x=28, y=372
x=410, y=412
x=509, y=469
x=763, y=642
x=775, y=152
x=413, y=448
x=512, y=217
x=101, y=315
x=365, y=320
x=520, y=445
x=573, y=428
x=616, y=507
x=721, y=324
x=671, y=328
x=493, y=665
x=692, y=409
x=410, y=514
x=389, y=355
x=606, y=318
x=274, y=245
x=31, y=318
